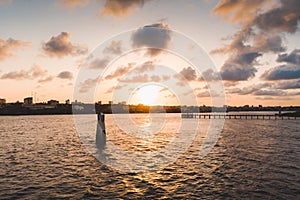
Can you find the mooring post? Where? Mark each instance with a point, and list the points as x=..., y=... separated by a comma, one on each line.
x=101, y=133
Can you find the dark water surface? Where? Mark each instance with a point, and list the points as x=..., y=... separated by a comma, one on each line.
x=42, y=157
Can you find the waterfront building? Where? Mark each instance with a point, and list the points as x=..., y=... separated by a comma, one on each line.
x=53, y=102
x=2, y=101
x=28, y=101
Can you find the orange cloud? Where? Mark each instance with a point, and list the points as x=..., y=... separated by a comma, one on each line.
x=9, y=45
x=121, y=8
x=34, y=72
x=242, y=11
x=73, y=3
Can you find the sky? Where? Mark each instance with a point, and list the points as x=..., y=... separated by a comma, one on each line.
x=151, y=51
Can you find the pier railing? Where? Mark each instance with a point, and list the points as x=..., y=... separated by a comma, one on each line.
x=237, y=116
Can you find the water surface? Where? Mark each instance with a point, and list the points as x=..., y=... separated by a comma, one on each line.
x=42, y=157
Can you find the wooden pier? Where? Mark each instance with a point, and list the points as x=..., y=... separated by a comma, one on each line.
x=237, y=116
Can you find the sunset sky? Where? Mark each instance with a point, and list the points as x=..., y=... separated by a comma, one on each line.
x=253, y=45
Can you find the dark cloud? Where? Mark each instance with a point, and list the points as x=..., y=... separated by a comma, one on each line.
x=65, y=75
x=73, y=3
x=121, y=8
x=239, y=67
x=282, y=72
x=263, y=25
x=156, y=37
x=270, y=93
x=185, y=75
x=99, y=63
x=188, y=73
x=209, y=75
x=268, y=43
x=60, y=46
x=10, y=45
x=120, y=71
x=115, y=47
x=34, y=72
x=268, y=89
x=280, y=19
x=286, y=85
x=292, y=58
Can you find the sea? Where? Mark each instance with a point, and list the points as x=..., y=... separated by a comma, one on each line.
x=148, y=156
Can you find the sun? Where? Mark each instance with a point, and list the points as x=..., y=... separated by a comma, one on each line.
x=146, y=94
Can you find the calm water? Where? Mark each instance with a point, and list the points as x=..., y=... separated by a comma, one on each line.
x=42, y=157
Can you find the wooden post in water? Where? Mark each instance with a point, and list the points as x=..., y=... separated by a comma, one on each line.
x=101, y=133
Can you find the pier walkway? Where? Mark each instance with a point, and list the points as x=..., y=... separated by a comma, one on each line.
x=237, y=116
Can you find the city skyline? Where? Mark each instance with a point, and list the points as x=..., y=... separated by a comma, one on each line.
x=45, y=44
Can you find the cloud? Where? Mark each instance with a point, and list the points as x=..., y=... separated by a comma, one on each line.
x=287, y=71
x=185, y=75
x=60, y=46
x=34, y=72
x=242, y=11
x=263, y=24
x=165, y=77
x=210, y=75
x=113, y=88
x=87, y=85
x=145, y=67
x=155, y=78
x=121, y=8
x=280, y=19
x=268, y=43
x=2, y=2
x=203, y=94
x=188, y=73
x=115, y=47
x=45, y=80
x=10, y=45
x=165, y=89
x=268, y=89
x=286, y=85
x=73, y=3
x=136, y=79
x=292, y=58
x=270, y=93
x=156, y=37
x=65, y=75
x=239, y=67
x=99, y=63
x=120, y=71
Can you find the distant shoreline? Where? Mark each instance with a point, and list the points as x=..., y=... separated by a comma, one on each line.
x=19, y=109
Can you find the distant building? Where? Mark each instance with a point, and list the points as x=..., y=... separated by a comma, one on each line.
x=28, y=101
x=2, y=101
x=53, y=102
x=122, y=103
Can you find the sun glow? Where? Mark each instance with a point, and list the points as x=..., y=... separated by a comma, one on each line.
x=147, y=94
